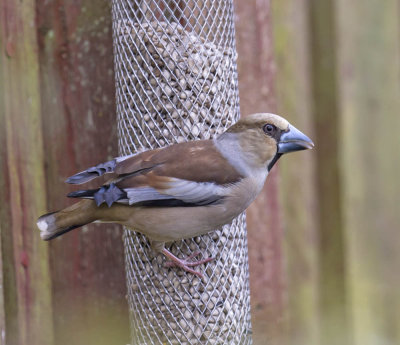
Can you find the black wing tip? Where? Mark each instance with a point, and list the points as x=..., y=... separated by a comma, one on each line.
x=81, y=177
x=93, y=172
x=177, y=203
x=107, y=194
x=89, y=193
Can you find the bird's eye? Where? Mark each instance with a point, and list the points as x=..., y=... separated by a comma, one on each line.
x=269, y=129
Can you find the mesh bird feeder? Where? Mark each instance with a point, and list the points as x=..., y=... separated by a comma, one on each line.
x=176, y=80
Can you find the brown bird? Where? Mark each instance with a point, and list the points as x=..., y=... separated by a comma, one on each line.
x=183, y=190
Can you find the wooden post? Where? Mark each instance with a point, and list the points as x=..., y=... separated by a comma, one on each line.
x=27, y=314
x=57, y=116
x=79, y=131
x=297, y=190
x=257, y=94
x=335, y=326
x=369, y=56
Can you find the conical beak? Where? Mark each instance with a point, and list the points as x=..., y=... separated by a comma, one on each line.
x=294, y=140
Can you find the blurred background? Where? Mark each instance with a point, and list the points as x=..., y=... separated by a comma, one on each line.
x=324, y=236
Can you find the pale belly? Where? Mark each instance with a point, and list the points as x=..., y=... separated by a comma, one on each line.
x=171, y=224
x=175, y=223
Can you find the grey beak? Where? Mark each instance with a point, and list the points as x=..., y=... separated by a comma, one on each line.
x=294, y=140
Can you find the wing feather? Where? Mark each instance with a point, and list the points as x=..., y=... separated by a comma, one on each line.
x=192, y=173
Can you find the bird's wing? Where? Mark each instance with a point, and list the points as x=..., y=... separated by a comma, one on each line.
x=136, y=161
x=193, y=173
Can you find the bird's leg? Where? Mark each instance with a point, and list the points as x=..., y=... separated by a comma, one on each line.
x=185, y=264
x=188, y=263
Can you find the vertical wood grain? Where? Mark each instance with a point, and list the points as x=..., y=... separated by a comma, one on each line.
x=27, y=282
x=335, y=325
x=324, y=237
x=256, y=71
x=79, y=129
x=297, y=171
x=369, y=52
x=57, y=116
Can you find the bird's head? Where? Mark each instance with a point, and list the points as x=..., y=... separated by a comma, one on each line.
x=264, y=138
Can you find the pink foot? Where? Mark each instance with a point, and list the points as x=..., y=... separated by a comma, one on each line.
x=185, y=264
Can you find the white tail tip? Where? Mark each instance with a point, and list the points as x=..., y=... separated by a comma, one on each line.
x=43, y=227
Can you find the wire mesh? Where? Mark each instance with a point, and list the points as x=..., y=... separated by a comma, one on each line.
x=176, y=80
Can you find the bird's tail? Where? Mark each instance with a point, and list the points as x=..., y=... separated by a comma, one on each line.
x=52, y=225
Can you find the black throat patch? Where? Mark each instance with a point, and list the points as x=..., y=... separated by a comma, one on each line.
x=274, y=160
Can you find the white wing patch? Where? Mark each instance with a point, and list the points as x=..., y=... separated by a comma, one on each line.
x=195, y=192
x=141, y=194
x=187, y=191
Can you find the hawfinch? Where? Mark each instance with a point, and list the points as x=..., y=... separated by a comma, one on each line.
x=183, y=190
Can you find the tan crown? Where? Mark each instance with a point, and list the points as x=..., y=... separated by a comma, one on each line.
x=258, y=120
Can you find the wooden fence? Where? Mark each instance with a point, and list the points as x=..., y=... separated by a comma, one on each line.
x=338, y=65
x=324, y=236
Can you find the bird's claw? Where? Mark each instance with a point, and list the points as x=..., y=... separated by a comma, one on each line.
x=186, y=264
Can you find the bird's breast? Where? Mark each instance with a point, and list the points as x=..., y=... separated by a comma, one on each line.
x=243, y=193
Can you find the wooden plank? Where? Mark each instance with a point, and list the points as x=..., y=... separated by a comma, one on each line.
x=256, y=88
x=78, y=106
x=2, y=283
x=25, y=257
x=8, y=312
x=370, y=103
x=335, y=326
x=4, y=209
x=298, y=192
